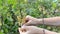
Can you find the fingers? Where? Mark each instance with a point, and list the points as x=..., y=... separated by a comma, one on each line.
x=29, y=18
x=22, y=29
x=30, y=28
x=29, y=23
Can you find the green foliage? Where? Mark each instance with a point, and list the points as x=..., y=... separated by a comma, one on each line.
x=10, y=9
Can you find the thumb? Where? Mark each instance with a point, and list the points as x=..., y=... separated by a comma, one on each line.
x=29, y=18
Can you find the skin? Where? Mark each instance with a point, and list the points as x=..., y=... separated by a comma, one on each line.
x=52, y=21
x=34, y=30
x=27, y=27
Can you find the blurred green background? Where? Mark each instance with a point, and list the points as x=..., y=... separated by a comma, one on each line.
x=12, y=12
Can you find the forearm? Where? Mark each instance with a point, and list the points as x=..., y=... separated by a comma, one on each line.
x=51, y=32
x=50, y=21
x=55, y=21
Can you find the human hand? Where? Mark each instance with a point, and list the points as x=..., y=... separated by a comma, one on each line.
x=32, y=21
x=34, y=30
x=30, y=30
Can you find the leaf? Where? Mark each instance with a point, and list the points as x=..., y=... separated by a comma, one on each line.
x=1, y=32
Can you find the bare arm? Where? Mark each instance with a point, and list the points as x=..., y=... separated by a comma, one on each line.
x=34, y=30
x=55, y=21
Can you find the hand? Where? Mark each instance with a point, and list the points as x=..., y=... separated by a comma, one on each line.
x=34, y=30
x=32, y=21
x=30, y=30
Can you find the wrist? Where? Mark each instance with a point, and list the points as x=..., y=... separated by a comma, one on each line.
x=40, y=21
